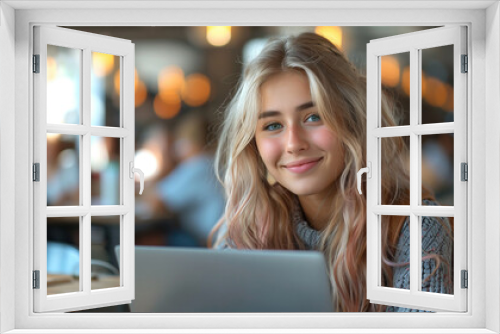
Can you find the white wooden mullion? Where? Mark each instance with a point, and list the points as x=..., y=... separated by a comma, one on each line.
x=85, y=253
x=109, y=132
x=414, y=162
x=406, y=210
x=109, y=210
x=40, y=156
x=460, y=156
x=127, y=256
x=79, y=130
x=422, y=129
x=372, y=219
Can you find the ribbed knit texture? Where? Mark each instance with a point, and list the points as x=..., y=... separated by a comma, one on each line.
x=435, y=240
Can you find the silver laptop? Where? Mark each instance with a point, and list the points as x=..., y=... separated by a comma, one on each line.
x=173, y=279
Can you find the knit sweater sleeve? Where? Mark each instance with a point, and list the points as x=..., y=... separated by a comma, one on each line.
x=437, y=248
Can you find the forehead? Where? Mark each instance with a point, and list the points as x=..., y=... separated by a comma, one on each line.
x=290, y=87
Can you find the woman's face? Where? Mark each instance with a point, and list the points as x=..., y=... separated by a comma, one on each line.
x=297, y=147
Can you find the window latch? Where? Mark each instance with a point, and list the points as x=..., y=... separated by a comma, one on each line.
x=138, y=171
x=368, y=171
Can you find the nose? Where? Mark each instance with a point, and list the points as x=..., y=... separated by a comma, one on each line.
x=296, y=140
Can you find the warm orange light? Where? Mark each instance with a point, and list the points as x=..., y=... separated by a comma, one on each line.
x=169, y=108
x=449, y=105
x=218, y=35
x=102, y=63
x=117, y=82
x=170, y=79
x=390, y=71
x=405, y=80
x=435, y=93
x=141, y=93
x=197, y=90
x=53, y=137
x=333, y=34
x=51, y=68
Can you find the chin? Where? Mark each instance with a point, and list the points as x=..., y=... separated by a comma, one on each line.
x=304, y=190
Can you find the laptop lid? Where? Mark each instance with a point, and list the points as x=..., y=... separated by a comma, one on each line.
x=173, y=279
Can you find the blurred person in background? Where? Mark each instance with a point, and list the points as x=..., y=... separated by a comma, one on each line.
x=191, y=191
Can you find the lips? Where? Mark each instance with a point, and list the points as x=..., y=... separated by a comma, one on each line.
x=302, y=166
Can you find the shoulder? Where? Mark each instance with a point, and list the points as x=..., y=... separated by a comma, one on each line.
x=437, y=236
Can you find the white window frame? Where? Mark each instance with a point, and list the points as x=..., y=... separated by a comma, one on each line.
x=483, y=21
x=86, y=43
x=413, y=44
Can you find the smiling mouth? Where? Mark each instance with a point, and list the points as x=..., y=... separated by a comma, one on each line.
x=299, y=168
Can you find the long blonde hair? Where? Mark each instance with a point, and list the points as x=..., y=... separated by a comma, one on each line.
x=257, y=213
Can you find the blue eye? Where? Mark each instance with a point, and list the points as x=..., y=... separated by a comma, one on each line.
x=273, y=127
x=313, y=118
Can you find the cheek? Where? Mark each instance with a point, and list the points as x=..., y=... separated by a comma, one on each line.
x=269, y=151
x=328, y=141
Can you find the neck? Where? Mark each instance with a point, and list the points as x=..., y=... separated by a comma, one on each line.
x=317, y=209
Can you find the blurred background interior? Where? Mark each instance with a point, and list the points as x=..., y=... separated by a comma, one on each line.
x=183, y=76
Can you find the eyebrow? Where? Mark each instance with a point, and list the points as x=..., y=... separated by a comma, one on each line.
x=271, y=113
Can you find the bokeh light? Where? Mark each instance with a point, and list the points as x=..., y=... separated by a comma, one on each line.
x=51, y=68
x=146, y=161
x=167, y=106
x=390, y=71
x=333, y=34
x=197, y=90
x=102, y=63
x=436, y=93
x=218, y=35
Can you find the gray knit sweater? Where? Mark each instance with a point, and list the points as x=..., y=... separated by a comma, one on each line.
x=435, y=240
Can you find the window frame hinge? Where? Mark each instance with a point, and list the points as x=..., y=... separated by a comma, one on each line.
x=464, y=171
x=36, y=172
x=36, y=279
x=464, y=275
x=465, y=64
x=36, y=63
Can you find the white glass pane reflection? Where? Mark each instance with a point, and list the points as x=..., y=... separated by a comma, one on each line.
x=63, y=85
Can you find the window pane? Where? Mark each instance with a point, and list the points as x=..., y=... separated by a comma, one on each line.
x=437, y=168
x=63, y=84
x=437, y=255
x=395, y=259
x=63, y=177
x=105, y=265
x=395, y=170
x=437, y=84
x=395, y=80
x=105, y=90
x=63, y=255
x=105, y=166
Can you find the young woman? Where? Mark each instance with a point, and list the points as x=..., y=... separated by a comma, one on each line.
x=292, y=141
